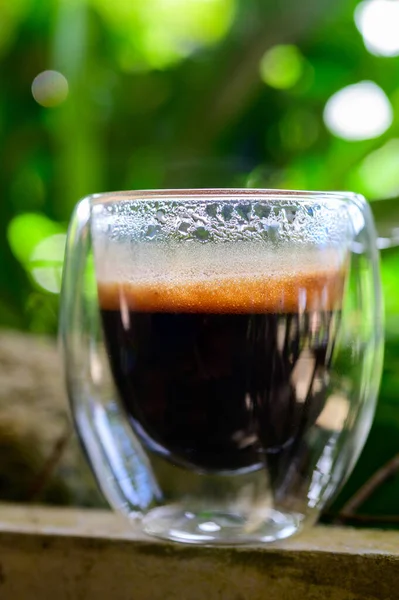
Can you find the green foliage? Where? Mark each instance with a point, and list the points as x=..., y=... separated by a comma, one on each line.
x=26, y=231
x=377, y=175
x=158, y=34
x=184, y=93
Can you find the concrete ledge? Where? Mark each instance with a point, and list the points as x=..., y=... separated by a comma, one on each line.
x=91, y=555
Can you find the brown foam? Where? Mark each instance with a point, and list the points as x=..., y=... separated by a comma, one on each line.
x=242, y=294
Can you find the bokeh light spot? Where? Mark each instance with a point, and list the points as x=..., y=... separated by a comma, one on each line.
x=39, y=245
x=26, y=231
x=46, y=262
x=377, y=176
x=378, y=22
x=358, y=112
x=51, y=249
x=282, y=66
x=50, y=88
x=48, y=278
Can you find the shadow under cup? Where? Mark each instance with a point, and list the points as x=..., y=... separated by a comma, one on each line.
x=223, y=362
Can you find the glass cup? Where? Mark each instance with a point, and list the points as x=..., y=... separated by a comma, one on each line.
x=223, y=352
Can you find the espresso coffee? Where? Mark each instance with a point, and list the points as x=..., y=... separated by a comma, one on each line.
x=222, y=374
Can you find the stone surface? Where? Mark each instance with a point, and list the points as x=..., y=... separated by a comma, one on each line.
x=34, y=419
x=87, y=555
x=75, y=554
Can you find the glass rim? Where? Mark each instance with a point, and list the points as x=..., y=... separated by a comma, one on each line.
x=224, y=194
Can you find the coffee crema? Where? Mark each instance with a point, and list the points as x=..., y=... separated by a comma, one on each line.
x=223, y=373
x=228, y=294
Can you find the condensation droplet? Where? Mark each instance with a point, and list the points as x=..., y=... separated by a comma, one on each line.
x=262, y=211
x=227, y=212
x=211, y=210
x=161, y=216
x=267, y=223
x=184, y=227
x=202, y=233
x=244, y=211
x=151, y=231
x=282, y=215
x=249, y=228
x=273, y=231
x=290, y=214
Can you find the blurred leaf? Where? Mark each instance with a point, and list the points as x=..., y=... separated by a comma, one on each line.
x=42, y=310
x=389, y=275
x=10, y=316
x=11, y=14
x=145, y=169
x=377, y=176
x=159, y=33
x=27, y=190
x=46, y=262
x=386, y=217
x=26, y=231
x=328, y=77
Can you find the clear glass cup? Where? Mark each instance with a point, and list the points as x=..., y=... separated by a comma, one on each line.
x=223, y=353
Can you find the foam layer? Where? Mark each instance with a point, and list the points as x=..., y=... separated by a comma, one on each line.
x=298, y=291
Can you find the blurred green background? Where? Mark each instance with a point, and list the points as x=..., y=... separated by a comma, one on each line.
x=101, y=95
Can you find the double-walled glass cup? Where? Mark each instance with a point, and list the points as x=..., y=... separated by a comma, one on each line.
x=223, y=353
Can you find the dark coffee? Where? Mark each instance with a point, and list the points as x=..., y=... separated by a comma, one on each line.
x=222, y=375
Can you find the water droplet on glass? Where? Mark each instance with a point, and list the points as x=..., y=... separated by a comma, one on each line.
x=290, y=214
x=211, y=210
x=184, y=227
x=151, y=231
x=201, y=233
x=248, y=229
x=209, y=527
x=161, y=217
x=227, y=212
x=273, y=231
x=244, y=211
x=262, y=211
x=282, y=215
